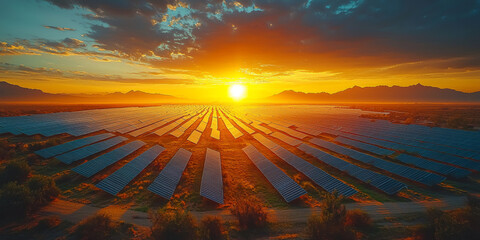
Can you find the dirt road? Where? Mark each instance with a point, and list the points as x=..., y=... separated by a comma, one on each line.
x=75, y=212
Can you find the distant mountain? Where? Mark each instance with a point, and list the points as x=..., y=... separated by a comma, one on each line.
x=14, y=93
x=414, y=93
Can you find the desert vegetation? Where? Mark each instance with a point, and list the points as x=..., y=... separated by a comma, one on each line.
x=458, y=224
x=21, y=193
x=336, y=223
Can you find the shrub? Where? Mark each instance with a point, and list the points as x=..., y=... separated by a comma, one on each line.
x=173, y=223
x=358, y=220
x=249, y=213
x=43, y=189
x=99, y=226
x=456, y=224
x=15, y=171
x=334, y=221
x=15, y=201
x=211, y=228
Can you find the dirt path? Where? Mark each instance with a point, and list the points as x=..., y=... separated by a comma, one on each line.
x=75, y=212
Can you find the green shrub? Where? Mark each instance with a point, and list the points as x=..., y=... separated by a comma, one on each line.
x=173, y=223
x=99, y=226
x=43, y=189
x=15, y=171
x=250, y=213
x=211, y=228
x=15, y=201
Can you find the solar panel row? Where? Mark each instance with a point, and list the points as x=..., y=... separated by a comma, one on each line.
x=114, y=183
x=194, y=136
x=320, y=177
x=68, y=146
x=287, y=139
x=413, y=174
x=97, y=164
x=379, y=181
x=167, y=181
x=462, y=162
x=289, y=131
x=212, y=183
x=90, y=150
x=433, y=166
x=287, y=188
x=364, y=146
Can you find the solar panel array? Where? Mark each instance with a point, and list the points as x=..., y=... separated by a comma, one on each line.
x=287, y=139
x=379, y=181
x=114, y=183
x=320, y=177
x=68, y=146
x=212, y=183
x=439, y=156
x=433, y=166
x=413, y=174
x=364, y=146
x=90, y=150
x=166, y=182
x=426, y=152
x=288, y=188
x=99, y=163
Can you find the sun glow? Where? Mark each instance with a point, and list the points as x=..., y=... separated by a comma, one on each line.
x=237, y=92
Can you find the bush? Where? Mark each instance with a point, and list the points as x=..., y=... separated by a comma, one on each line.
x=15, y=201
x=15, y=171
x=211, y=228
x=249, y=213
x=173, y=223
x=358, y=220
x=456, y=224
x=99, y=226
x=335, y=222
x=43, y=189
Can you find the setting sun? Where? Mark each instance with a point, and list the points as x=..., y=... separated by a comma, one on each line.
x=237, y=92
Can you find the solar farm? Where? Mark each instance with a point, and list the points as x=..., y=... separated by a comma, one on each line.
x=209, y=155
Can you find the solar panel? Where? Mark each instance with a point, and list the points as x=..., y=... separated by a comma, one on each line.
x=195, y=136
x=114, y=183
x=287, y=188
x=364, y=146
x=433, y=166
x=90, y=150
x=289, y=131
x=97, y=164
x=212, y=183
x=261, y=128
x=379, y=181
x=317, y=175
x=413, y=174
x=168, y=179
x=287, y=139
x=68, y=146
x=165, y=129
x=181, y=130
x=215, y=134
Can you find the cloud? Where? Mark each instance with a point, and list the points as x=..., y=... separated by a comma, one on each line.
x=59, y=28
x=220, y=37
x=12, y=71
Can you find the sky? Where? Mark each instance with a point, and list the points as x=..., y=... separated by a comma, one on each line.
x=197, y=49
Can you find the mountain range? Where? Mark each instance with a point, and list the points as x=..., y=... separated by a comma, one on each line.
x=415, y=93
x=13, y=93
